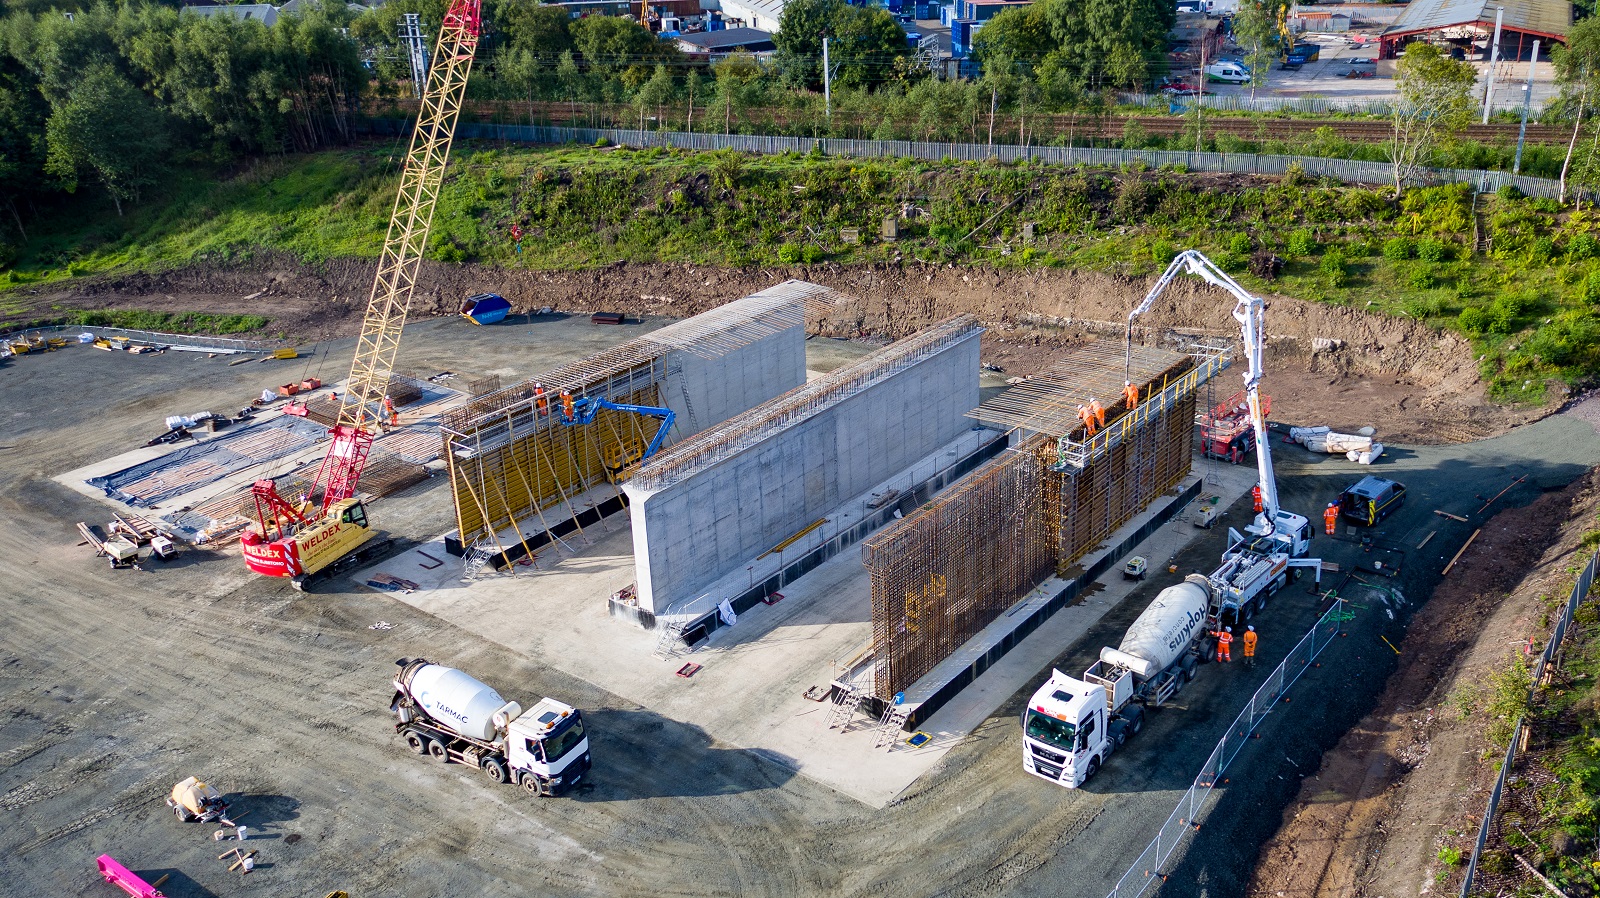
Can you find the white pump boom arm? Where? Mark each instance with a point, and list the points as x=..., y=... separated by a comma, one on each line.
x=1248, y=312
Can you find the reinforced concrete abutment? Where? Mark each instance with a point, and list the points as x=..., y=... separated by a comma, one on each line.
x=705, y=511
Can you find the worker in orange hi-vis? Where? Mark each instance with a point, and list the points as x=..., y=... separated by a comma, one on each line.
x=1087, y=417
x=388, y=409
x=1255, y=498
x=566, y=404
x=1224, y=643
x=1250, y=646
x=1130, y=395
x=1330, y=518
x=1099, y=412
x=540, y=401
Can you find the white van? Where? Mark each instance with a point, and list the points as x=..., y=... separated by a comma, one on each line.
x=1230, y=72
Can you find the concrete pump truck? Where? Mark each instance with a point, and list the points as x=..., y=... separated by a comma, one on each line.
x=1072, y=724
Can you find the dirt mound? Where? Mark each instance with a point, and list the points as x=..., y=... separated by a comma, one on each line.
x=1330, y=365
x=1408, y=779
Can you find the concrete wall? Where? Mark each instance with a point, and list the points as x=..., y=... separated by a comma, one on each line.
x=693, y=532
x=705, y=392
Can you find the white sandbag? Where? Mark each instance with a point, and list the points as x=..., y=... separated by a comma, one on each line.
x=1353, y=455
x=176, y=421
x=1371, y=455
x=1302, y=434
x=268, y=396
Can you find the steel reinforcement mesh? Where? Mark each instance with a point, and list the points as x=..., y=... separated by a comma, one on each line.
x=1111, y=489
x=944, y=572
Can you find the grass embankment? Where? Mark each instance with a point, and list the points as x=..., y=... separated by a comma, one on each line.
x=1560, y=765
x=1530, y=303
x=160, y=322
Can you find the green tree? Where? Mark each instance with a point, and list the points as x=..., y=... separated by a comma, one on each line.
x=738, y=81
x=609, y=44
x=1255, y=27
x=1433, y=104
x=108, y=129
x=863, y=43
x=23, y=112
x=1577, y=68
x=655, y=94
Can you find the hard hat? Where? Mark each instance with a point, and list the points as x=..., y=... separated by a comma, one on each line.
x=1227, y=629
x=1251, y=628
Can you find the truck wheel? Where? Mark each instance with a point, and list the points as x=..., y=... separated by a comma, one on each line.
x=1092, y=769
x=1208, y=650
x=183, y=815
x=1261, y=602
x=530, y=782
x=1135, y=725
x=1190, y=671
x=417, y=742
x=438, y=752
x=495, y=769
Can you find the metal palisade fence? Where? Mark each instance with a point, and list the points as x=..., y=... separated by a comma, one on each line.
x=1346, y=170
x=1146, y=871
x=1580, y=592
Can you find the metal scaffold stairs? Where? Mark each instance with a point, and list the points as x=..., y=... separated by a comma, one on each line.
x=669, y=638
x=846, y=701
x=476, y=562
x=890, y=725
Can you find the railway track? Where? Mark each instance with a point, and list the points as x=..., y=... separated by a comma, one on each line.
x=1041, y=128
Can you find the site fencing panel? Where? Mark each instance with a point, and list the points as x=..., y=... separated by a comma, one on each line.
x=1348, y=170
x=1146, y=870
x=1580, y=592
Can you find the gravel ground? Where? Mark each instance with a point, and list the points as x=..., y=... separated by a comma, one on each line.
x=117, y=684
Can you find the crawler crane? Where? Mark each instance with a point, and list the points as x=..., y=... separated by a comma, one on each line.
x=296, y=539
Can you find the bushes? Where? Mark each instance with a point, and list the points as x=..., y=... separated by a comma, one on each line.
x=1591, y=288
x=1509, y=192
x=1432, y=250
x=1301, y=243
x=1397, y=249
x=1582, y=247
x=1334, y=268
x=1424, y=279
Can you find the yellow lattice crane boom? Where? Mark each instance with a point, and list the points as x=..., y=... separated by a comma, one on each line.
x=287, y=543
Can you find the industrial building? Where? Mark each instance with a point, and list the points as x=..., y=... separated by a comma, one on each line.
x=1470, y=26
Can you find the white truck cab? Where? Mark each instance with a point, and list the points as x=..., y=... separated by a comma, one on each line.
x=1070, y=728
x=548, y=740
x=1291, y=531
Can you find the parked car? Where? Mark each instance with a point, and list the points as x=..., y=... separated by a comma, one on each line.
x=1370, y=500
x=1362, y=61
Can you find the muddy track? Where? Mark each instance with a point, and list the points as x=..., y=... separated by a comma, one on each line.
x=1415, y=384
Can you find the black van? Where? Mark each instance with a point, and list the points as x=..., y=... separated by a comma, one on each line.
x=1371, y=499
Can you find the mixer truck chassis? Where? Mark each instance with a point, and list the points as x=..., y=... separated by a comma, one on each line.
x=446, y=747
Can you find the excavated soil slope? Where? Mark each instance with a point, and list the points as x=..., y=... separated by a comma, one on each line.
x=1330, y=365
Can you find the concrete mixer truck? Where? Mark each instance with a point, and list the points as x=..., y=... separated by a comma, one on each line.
x=447, y=715
x=1071, y=725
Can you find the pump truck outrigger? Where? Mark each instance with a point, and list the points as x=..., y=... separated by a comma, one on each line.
x=1071, y=725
